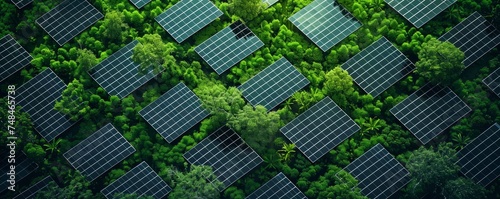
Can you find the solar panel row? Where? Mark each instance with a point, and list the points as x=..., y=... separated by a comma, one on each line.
x=24, y=166
x=140, y=3
x=31, y=192
x=21, y=3
x=279, y=187
x=13, y=57
x=493, y=81
x=419, y=12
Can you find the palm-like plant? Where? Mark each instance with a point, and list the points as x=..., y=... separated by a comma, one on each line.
x=460, y=140
x=272, y=161
x=286, y=152
x=53, y=146
x=371, y=125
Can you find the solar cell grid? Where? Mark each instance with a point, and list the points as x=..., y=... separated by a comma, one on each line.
x=31, y=192
x=480, y=159
x=378, y=67
x=140, y=3
x=279, y=187
x=474, y=36
x=99, y=152
x=273, y=85
x=419, y=12
x=270, y=2
x=325, y=22
x=229, y=46
x=13, y=57
x=493, y=81
x=319, y=129
x=429, y=111
x=187, y=17
x=24, y=167
x=69, y=19
x=21, y=3
x=228, y=155
x=141, y=180
x=175, y=112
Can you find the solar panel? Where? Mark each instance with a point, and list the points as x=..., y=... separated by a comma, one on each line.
x=21, y=3
x=325, y=22
x=142, y=180
x=320, y=128
x=31, y=192
x=379, y=174
x=419, y=12
x=474, y=36
x=429, y=111
x=13, y=57
x=119, y=74
x=187, y=17
x=99, y=152
x=378, y=67
x=140, y=3
x=175, y=112
x=493, y=81
x=37, y=97
x=69, y=19
x=24, y=167
x=480, y=159
x=229, y=46
x=276, y=188
x=270, y=2
x=228, y=155
x=274, y=84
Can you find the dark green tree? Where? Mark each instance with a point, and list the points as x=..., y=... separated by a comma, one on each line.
x=462, y=188
x=196, y=183
x=74, y=101
x=222, y=103
x=246, y=9
x=113, y=25
x=153, y=54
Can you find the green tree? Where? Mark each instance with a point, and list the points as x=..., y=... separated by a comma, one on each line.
x=130, y=196
x=460, y=140
x=74, y=101
x=371, y=125
x=113, y=25
x=197, y=183
x=286, y=152
x=462, y=188
x=222, y=103
x=53, y=146
x=153, y=54
x=339, y=86
x=86, y=60
x=246, y=9
x=440, y=62
x=77, y=188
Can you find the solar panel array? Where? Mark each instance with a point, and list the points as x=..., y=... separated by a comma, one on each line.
x=325, y=22
x=493, y=81
x=31, y=192
x=480, y=159
x=13, y=57
x=37, y=97
x=140, y=3
x=274, y=84
x=429, y=111
x=320, y=128
x=379, y=174
x=142, y=180
x=69, y=19
x=24, y=167
x=378, y=67
x=474, y=36
x=187, y=17
x=419, y=12
x=279, y=187
x=229, y=46
x=119, y=74
x=270, y=2
x=21, y=3
x=228, y=155
x=175, y=112
x=99, y=152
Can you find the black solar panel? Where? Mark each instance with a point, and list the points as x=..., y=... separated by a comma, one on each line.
x=429, y=111
x=480, y=159
x=31, y=192
x=378, y=67
x=274, y=84
x=24, y=167
x=119, y=74
x=493, y=81
x=187, y=17
x=13, y=57
x=69, y=19
x=37, y=97
x=325, y=22
x=21, y=3
x=228, y=155
x=279, y=187
x=140, y=3
x=474, y=36
x=229, y=46
x=379, y=174
x=174, y=112
x=270, y=2
x=419, y=12
x=141, y=180
x=319, y=129
x=99, y=152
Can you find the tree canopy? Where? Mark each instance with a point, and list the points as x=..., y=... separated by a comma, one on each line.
x=153, y=54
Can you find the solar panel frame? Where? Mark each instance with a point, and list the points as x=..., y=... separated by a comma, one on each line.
x=270, y=91
x=312, y=130
x=323, y=12
x=422, y=18
x=140, y=3
x=50, y=21
x=286, y=189
x=24, y=167
x=13, y=57
x=433, y=94
x=492, y=81
x=270, y=2
x=481, y=42
x=372, y=77
x=31, y=192
x=469, y=158
x=106, y=137
x=21, y=3
x=186, y=25
x=134, y=180
x=216, y=145
x=229, y=46
x=178, y=115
